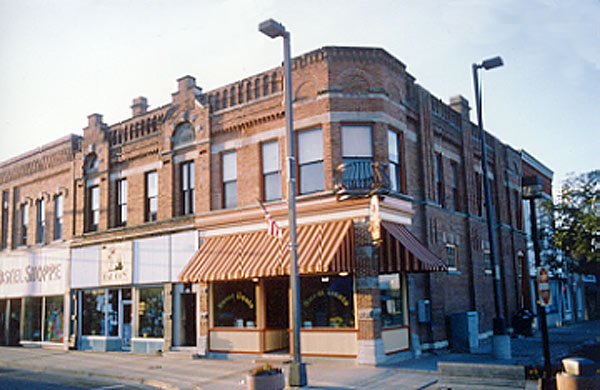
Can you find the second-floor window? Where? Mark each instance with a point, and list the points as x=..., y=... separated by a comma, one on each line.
x=24, y=220
x=4, y=241
x=93, y=208
x=439, y=179
x=270, y=171
x=187, y=188
x=357, y=144
x=121, y=217
x=310, y=161
x=58, y=216
x=229, y=174
x=451, y=260
x=478, y=194
x=518, y=212
x=395, y=161
x=455, y=200
x=40, y=221
x=151, y=207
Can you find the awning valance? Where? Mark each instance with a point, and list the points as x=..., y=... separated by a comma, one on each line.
x=403, y=252
x=322, y=248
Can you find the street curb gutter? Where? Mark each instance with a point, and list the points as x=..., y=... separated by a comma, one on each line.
x=141, y=381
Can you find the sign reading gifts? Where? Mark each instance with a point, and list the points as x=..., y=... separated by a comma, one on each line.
x=32, y=273
x=116, y=263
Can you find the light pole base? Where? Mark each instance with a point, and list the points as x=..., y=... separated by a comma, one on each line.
x=297, y=374
x=501, y=347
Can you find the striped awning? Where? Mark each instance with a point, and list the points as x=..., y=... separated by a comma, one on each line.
x=322, y=248
x=403, y=252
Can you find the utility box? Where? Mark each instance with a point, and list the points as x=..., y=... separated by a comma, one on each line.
x=579, y=374
x=464, y=332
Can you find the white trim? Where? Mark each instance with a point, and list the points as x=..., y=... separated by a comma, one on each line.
x=529, y=159
x=435, y=345
x=318, y=121
x=156, y=165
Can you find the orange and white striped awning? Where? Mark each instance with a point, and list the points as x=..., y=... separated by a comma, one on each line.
x=322, y=248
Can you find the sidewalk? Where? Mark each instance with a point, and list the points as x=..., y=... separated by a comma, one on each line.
x=179, y=372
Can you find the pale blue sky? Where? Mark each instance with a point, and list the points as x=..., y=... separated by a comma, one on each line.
x=65, y=59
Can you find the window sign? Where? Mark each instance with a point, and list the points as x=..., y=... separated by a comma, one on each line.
x=327, y=302
x=234, y=304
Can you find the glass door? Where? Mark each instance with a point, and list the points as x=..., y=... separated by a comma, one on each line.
x=126, y=315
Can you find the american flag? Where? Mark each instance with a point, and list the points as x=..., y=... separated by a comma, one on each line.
x=272, y=228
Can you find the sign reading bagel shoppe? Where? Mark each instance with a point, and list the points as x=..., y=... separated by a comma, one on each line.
x=33, y=273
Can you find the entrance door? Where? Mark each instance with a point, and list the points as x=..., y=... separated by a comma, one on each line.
x=14, y=322
x=188, y=319
x=277, y=314
x=127, y=315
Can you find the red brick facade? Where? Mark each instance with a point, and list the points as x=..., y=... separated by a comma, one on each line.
x=333, y=86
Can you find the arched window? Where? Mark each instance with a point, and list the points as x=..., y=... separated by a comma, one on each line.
x=217, y=101
x=90, y=164
x=184, y=135
x=232, y=97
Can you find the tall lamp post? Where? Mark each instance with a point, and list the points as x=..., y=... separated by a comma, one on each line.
x=532, y=190
x=501, y=340
x=297, y=373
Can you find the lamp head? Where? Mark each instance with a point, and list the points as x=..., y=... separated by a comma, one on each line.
x=272, y=29
x=492, y=63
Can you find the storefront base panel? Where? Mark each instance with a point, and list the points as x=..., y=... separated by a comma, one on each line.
x=371, y=352
x=100, y=343
x=43, y=344
x=329, y=343
x=395, y=340
x=235, y=341
x=146, y=346
x=276, y=340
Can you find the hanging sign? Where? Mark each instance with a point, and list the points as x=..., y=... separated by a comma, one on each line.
x=543, y=281
x=374, y=219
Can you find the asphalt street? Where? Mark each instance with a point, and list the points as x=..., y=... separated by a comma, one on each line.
x=14, y=379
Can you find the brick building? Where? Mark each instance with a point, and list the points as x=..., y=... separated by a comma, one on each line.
x=168, y=244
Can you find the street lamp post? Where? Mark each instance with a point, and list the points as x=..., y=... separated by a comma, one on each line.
x=501, y=340
x=297, y=373
x=532, y=190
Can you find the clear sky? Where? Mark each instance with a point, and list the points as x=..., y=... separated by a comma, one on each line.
x=65, y=59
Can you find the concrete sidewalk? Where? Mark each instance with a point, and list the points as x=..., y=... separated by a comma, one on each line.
x=181, y=372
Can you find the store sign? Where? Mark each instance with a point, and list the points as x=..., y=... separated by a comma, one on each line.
x=374, y=219
x=34, y=273
x=116, y=264
x=543, y=280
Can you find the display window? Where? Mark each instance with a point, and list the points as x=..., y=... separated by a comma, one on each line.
x=93, y=303
x=150, y=311
x=391, y=291
x=53, y=319
x=32, y=330
x=234, y=304
x=327, y=302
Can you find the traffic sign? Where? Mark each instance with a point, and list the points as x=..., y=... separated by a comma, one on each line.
x=543, y=282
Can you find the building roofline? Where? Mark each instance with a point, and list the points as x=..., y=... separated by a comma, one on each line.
x=535, y=163
x=70, y=138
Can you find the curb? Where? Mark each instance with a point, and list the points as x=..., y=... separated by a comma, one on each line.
x=141, y=381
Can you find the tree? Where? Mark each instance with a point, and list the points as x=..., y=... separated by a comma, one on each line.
x=577, y=221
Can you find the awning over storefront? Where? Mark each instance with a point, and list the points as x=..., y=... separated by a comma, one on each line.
x=322, y=248
x=403, y=252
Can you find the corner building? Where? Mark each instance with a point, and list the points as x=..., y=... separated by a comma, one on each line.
x=170, y=249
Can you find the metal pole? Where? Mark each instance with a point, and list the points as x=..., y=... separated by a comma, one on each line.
x=297, y=374
x=499, y=324
x=541, y=311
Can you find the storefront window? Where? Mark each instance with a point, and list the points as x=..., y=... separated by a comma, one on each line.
x=327, y=301
x=150, y=312
x=234, y=304
x=93, y=312
x=53, y=319
x=2, y=321
x=33, y=319
x=113, y=312
x=392, y=300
